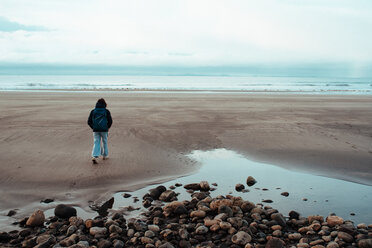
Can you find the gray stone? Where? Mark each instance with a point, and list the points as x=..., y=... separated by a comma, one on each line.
x=201, y=230
x=104, y=244
x=274, y=243
x=241, y=238
x=98, y=230
x=118, y=244
x=345, y=237
x=365, y=243
x=72, y=229
x=204, y=186
x=167, y=196
x=279, y=218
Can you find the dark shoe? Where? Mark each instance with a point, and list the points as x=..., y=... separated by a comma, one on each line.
x=95, y=160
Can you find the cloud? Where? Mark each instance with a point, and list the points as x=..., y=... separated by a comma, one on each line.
x=176, y=32
x=9, y=26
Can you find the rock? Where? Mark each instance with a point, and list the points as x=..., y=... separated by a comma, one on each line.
x=47, y=200
x=274, y=243
x=103, y=209
x=156, y=192
x=115, y=229
x=276, y=227
x=180, y=210
x=63, y=211
x=118, y=244
x=97, y=231
x=29, y=242
x=126, y=195
x=334, y=220
x=225, y=209
x=72, y=229
x=149, y=234
x=294, y=236
x=11, y=213
x=239, y=187
x=36, y=219
x=279, y=218
x=318, y=218
x=192, y=186
x=362, y=226
x=345, y=237
x=168, y=196
x=286, y=194
x=267, y=201
x=201, y=230
x=4, y=237
x=154, y=228
x=277, y=233
x=198, y=214
x=294, y=215
x=332, y=245
x=204, y=186
x=184, y=244
x=365, y=243
x=146, y=240
x=166, y=245
x=251, y=181
x=214, y=205
x=225, y=225
x=104, y=244
x=183, y=233
x=83, y=243
x=241, y=238
x=45, y=241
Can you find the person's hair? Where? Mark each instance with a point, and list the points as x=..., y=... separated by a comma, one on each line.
x=102, y=101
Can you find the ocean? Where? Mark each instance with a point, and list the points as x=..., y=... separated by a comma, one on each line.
x=298, y=85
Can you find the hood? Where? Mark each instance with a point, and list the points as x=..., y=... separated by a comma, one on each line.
x=100, y=105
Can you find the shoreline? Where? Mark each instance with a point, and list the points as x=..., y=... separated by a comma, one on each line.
x=175, y=90
x=47, y=133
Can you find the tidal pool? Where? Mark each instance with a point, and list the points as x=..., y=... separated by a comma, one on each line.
x=227, y=168
x=323, y=195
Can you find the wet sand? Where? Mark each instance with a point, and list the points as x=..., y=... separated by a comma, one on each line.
x=46, y=144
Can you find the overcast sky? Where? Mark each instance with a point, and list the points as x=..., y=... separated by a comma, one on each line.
x=172, y=32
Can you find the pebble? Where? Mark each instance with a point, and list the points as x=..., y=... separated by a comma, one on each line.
x=168, y=196
x=201, y=222
x=241, y=238
x=63, y=211
x=274, y=243
x=365, y=243
x=286, y=194
x=345, y=237
x=294, y=236
x=98, y=231
x=251, y=181
x=332, y=245
x=36, y=219
x=201, y=230
x=126, y=195
x=239, y=187
x=334, y=220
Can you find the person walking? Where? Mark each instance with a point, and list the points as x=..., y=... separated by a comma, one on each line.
x=100, y=121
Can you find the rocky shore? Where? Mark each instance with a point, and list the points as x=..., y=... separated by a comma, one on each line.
x=202, y=221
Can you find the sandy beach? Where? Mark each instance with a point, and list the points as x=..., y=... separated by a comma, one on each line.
x=46, y=142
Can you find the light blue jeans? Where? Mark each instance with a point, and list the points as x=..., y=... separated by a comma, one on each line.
x=100, y=148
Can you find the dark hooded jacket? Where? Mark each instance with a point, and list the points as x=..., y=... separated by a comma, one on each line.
x=109, y=119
